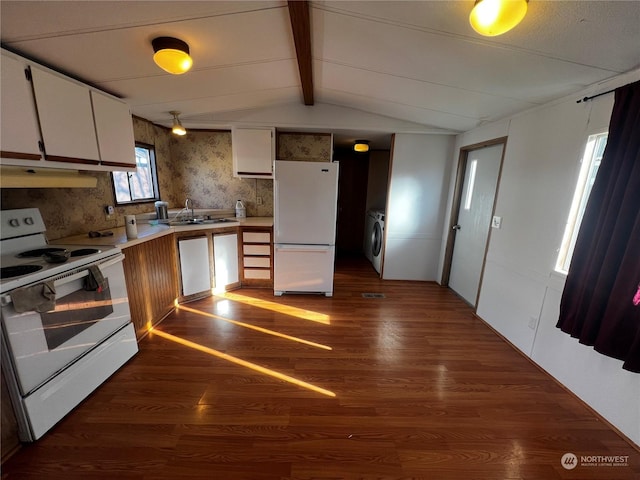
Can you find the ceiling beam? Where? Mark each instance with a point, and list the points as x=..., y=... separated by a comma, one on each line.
x=301, y=28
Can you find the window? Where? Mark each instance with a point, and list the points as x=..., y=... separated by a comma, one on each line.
x=141, y=185
x=590, y=163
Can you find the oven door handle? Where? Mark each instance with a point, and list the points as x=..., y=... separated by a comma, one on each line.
x=64, y=279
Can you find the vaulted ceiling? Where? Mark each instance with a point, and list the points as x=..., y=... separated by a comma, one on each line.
x=377, y=67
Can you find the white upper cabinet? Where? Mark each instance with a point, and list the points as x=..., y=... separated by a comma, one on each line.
x=254, y=152
x=19, y=132
x=78, y=127
x=66, y=118
x=115, y=131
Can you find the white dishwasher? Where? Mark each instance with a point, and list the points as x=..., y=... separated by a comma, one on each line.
x=195, y=267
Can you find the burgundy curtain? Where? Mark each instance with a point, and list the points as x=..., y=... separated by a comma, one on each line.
x=601, y=300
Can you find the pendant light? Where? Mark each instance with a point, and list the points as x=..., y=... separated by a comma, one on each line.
x=171, y=55
x=495, y=17
x=361, y=146
x=177, y=127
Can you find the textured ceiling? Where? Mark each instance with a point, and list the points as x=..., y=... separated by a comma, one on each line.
x=378, y=67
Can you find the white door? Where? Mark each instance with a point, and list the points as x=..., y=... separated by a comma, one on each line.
x=474, y=219
x=305, y=199
x=66, y=117
x=253, y=152
x=225, y=254
x=194, y=265
x=114, y=129
x=303, y=268
x=19, y=130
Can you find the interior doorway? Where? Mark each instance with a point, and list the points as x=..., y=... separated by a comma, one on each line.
x=479, y=168
x=352, y=198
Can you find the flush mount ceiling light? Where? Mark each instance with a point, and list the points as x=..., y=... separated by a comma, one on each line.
x=177, y=127
x=361, y=146
x=495, y=17
x=171, y=55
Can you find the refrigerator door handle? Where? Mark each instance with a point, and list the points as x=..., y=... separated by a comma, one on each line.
x=298, y=248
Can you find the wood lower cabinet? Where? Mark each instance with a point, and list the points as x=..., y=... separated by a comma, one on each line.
x=152, y=281
x=257, y=257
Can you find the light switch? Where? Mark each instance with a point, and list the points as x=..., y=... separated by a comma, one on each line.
x=496, y=222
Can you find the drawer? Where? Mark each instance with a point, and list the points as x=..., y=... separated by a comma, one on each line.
x=256, y=250
x=264, y=262
x=262, y=274
x=256, y=237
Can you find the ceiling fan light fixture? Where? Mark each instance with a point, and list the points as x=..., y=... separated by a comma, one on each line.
x=361, y=146
x=171, y=55
x=177, y=127
x=495, y=17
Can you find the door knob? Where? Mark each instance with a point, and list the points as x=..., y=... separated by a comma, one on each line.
x=456, y=227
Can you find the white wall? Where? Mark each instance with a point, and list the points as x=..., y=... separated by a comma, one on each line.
x=415, y=206
x=520, y=293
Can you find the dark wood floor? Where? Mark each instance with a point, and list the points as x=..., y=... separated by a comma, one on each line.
x=407, y=386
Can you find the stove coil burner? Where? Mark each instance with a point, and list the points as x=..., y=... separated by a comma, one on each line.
x=16, y=271
x=84, y=251
x=38, y=252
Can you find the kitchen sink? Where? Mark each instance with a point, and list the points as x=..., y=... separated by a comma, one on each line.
x=200, y=221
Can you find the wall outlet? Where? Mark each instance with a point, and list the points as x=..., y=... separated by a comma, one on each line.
x=533, y=323
x=259, y=200
x=109, y=212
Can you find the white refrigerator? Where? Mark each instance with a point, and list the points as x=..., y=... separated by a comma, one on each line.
x=305, y=206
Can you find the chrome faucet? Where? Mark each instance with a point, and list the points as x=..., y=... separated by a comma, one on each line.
x=188, y=205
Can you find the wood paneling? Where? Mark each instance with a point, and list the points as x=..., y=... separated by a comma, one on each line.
x=152, y=281
x=423, y=389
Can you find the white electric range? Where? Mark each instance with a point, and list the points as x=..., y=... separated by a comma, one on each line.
x=66, y=327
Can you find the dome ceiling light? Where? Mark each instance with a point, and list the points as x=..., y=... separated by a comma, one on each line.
x=171, y=55
x=361, y=146
x=495, y=17
x=177, y=127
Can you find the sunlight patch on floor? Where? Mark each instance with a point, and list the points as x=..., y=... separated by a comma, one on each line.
x=256, y=328
x=277, y=307
x=242, y=363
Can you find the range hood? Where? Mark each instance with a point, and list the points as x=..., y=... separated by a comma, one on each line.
x=23, y=177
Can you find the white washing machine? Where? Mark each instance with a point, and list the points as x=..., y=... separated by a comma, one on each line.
x=368, y=234
x=377, y=240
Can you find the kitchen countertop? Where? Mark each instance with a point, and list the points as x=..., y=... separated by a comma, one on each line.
x=148, y=232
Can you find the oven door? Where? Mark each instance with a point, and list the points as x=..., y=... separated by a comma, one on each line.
x=43, y=344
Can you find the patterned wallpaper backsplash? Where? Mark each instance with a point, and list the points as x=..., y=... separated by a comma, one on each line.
x=302, y=146
x=197, y=166
x=201, y=169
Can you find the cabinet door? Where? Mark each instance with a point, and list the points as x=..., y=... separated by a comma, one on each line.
x=253, y=152
x=225, y=251
x=115, y=131
x=66, y=118
x=194, y=265
x=19, y=132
